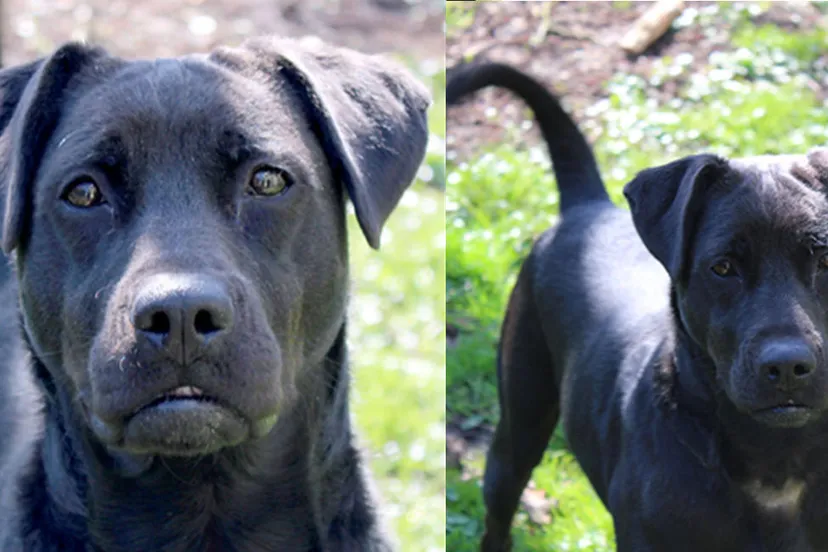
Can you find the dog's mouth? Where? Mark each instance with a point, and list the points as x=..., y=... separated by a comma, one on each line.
x=785, y=415
x=183, y=393
x=184, y=421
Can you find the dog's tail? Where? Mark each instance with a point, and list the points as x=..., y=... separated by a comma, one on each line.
x=574, y=164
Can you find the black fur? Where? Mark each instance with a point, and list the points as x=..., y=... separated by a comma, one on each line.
x=184, y=279
x=673, y=381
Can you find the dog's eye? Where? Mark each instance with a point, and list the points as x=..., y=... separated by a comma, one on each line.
x=83, y=193
x=269, y=181
x=723, y=269
x=823, y=262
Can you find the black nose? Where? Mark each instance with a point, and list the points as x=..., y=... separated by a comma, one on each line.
x=182, y=313
x=787, y=363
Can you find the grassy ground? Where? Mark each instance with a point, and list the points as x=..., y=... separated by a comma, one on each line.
x=397, y=341
x=763, y=95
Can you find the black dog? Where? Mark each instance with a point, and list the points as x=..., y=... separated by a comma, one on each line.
x=174, y=374
x=693, y=397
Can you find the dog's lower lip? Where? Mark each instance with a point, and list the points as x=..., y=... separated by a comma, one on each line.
x=788, y=415
x=183, y=427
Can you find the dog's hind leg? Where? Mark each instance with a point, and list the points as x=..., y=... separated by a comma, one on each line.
x=529, y=412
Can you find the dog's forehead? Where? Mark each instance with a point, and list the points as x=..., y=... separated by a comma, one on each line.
x=187, y=99
x=776, y=198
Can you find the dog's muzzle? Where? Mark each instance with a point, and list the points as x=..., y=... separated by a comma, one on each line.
x=181, y=330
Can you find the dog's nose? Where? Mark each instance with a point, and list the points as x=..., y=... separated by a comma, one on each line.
x=786, y=363
x=181, y=313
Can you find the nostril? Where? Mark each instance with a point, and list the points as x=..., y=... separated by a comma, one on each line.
x=773, y=373
x=159, y=323
x=801, y=370
x=205, y=323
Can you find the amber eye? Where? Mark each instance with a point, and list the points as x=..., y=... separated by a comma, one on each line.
x=269, y=181
x=83, y=193
x=823, y=262
x=723, y=269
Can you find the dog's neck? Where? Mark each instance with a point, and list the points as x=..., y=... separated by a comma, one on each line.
x=86, y=497
x=688, y=398
x=685, y=375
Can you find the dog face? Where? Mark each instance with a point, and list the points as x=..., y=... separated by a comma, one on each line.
x=180, y=227
x=746, y=245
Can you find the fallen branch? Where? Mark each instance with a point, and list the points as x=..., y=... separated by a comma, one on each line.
x=652, y=24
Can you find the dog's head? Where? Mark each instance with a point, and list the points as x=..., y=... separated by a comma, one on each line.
x=746, y=245
x=179, y=226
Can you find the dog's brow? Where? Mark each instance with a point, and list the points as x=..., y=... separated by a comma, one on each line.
x=237, y=147
x=722, y=240
x=108, y=152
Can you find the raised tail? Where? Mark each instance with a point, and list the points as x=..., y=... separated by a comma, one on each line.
x=576, y=171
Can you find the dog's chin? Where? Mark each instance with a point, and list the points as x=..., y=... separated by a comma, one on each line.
x=183, y=427
x=180, y=427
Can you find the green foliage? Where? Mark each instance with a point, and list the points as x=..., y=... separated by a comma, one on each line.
x=800, y=47
x=494, y=208
x=757, y=98
x=459, y=16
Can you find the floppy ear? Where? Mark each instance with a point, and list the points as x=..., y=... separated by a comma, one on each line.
x=369, y=114
x=29, y=111
x=665, y=202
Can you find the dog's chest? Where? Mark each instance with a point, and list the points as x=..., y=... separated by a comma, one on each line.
x=781, y=500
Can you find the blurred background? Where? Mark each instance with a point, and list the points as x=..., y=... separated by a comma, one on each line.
x=397, y=330
x=733, y=78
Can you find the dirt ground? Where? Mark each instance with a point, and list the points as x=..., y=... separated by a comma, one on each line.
x=154, y=28
x=572, y=47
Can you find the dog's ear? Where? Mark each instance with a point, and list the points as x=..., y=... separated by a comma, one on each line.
x=369, y=115
x=812, y=169
x=30, y=105
x=665, y=203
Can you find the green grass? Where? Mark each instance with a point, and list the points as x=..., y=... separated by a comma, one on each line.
x=397, y=347
x=742, y=103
